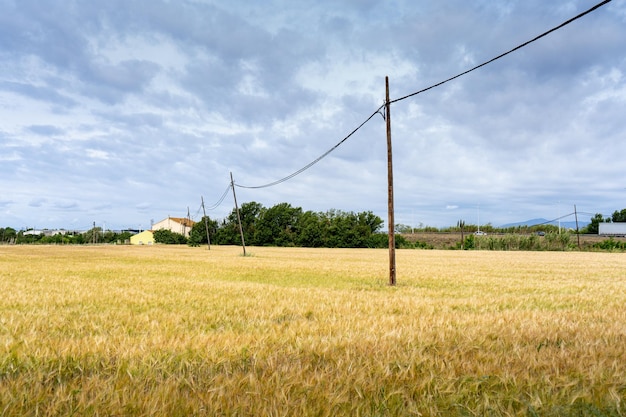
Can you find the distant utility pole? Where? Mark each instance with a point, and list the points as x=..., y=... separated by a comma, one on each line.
x=206, y=224
x=461, y=225
x=390, y=219
x=243, y=243
x=188, y=225
x=577, y=230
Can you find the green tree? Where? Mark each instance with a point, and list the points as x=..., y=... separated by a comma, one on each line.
x=619, y=216
x=348, y=229
x=381, y=241
x=56, y=239
x=93, y=235
x=310, y=230
x=8, y=234
x=168, y=237
x=593, y=227
x=23, y=237
x=278, y=226
x=469, y=242
x=109, y=236
x=198, y=236
x=372, y=221
x=124, y=237
x=228, y=233
x=461, y=226
x=333, y=228
x=360, y=228
x=78, y=239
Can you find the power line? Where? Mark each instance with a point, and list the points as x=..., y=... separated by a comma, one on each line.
x=304, y=168
x=197, y=212
x=554, y=220
x=220, y=200
x=504, y=54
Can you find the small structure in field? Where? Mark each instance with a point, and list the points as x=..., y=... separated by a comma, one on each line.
x=144, y=238
x=612, y=229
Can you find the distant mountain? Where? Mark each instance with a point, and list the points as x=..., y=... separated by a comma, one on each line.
x=535, y=222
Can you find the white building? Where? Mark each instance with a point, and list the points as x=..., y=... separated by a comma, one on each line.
x=178, y=225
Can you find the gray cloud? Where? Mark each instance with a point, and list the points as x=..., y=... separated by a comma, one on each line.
x=122, y=112
x=37, y=202
x=45, y=130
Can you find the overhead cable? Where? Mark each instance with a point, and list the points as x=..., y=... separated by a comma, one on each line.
x=216, y=205
x=304, y=168
x=554, y=220
x=588, y=214
x=504, y=54
x=197, y=212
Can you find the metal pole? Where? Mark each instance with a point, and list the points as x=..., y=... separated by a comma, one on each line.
x=243, y=243
x=390, y=219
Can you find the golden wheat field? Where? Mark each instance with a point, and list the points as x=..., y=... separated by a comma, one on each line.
x=180, y=331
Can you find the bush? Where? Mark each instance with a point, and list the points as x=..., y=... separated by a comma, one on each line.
x=610, y=244
x=168, y=237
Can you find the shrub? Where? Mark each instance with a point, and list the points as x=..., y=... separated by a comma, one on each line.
x=610, y=244
x=168, y=237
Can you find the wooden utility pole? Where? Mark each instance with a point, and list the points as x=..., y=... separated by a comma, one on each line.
x=390, y=216
x=243, y=243
x=461, y=225
x=188, y=225
x=577, y=231
x=206, y=224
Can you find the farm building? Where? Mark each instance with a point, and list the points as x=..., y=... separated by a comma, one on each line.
x=176, y=225
x=144, y=238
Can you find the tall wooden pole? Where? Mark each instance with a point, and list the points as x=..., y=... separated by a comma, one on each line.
x=390, y=217
x=188, y=224
x=577, y=231
x=206, y=224
x=243, y=242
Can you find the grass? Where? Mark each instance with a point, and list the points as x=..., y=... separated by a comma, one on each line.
x=176, y=331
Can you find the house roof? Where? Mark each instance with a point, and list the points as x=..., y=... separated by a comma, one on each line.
x=184, y=221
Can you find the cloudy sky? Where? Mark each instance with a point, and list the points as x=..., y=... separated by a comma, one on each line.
x=123, y=112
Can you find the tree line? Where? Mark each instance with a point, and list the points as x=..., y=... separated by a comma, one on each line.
x=280, y=225
x=9, y=235
x=285, y=225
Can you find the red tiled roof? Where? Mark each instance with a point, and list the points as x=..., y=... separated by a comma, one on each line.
x=184, y=221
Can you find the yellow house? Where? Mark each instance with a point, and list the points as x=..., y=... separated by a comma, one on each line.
x=144, y=238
